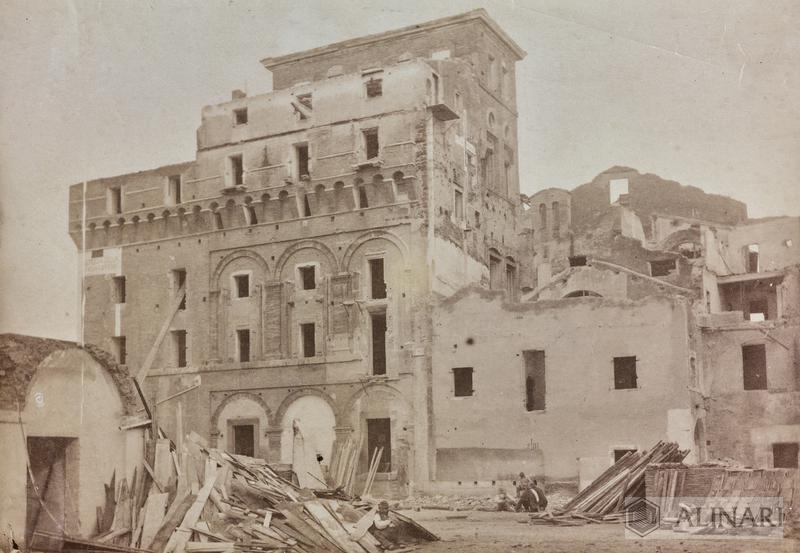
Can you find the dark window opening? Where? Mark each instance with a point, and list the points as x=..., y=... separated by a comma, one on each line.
x=577, y=261
x=237, y=170
x=242, y=285
x=302, y=161
x=175, y=189
x=240, y=116
x=362, y=197
x=754, y=367
x=620, y=453
x=534, y=380
x=309, y=339
x=511, y=279
x=120, y=350
x=462, y=382
x=378, y=343
x=218, y=221
x=115, y=200
x=179, y=341
x=251, y=215
x=379, y=435
x=543, y=216
x=119, y=289
x=97, y=253
x=308, y=276
x=371, y=144
x=374, y=87
x=306, y=206
x=582, y=293
x=377, y=282
x=244, y=440
x=758, y=310
x=662, y=267
x=752, y=258
x=178, y=282
x=495, y=273
x=784, y=456
x=243, y=343
x=625, y=373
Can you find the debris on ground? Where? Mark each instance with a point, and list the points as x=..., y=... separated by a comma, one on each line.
x=602, y=500
x=557, y=497
x=202, y=500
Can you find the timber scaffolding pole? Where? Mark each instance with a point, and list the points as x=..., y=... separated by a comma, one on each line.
x=139, y=378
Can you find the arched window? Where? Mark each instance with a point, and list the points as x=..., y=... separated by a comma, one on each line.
x=543, y=215
x=556, y=219
x=583, y=293
x=400, y=188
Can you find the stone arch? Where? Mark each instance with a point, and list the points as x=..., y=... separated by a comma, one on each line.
x=241, y=395
x=302, y=392
x=238, y=254
x=686, y=235
x=364, y=238
x=302, y=245
x=244, y=408
x=582, y=293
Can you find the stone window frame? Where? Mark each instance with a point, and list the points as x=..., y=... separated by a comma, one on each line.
x=298, y=279
x=613, y=447
x=367, y=287
x=243, y=421
x=234, y=288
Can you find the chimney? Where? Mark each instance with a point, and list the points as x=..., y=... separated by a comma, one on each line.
x=238, y=94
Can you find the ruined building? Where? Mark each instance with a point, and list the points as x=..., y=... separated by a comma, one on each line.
x=352, y=251
x=290, y=268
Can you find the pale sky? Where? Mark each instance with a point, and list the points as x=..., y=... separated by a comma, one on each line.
x=703, y=92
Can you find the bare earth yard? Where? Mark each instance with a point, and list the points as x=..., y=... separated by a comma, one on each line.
x=484, y=532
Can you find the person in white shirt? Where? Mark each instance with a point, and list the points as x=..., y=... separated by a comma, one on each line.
x=384, y=529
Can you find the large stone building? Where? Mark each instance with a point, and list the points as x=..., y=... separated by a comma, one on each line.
x=310, y=234
x=352, y=251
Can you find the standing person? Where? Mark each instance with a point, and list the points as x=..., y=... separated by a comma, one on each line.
x=542, y=503
x=523, y=483
x=384, y=528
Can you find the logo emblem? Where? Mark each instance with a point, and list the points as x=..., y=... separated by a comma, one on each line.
x=642, y=516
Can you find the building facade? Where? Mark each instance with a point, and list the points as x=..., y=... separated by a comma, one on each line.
x=289, y=269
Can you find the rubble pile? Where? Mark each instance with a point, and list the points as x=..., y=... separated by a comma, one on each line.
x=204, y=500
x=557, y=497
x=603, y=499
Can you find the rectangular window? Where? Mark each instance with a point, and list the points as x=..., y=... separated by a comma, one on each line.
x=119, y=289
x=240, y=116
x=784, y=456
x=114, y=200
x=462, y=382
x=625, y=373
x=363, y=202
x=534, y=379
x=301, y=154
x=244, y=439
x=308, y=277
x=511, y=281
x=662, y=267
x=97, y=253
x=374, y=87
x=218, y=221
x=458, y=204
x=376, y=278
x=378, y=343
x=178, y=281
x=243, y=344
x=371, y=144
x=752, y=258
x=620, y=453
x=236, y=170
x=308, y=335
x=120, y=350
x=179, y=347
x=174, y=189
x=754, y=367
x=242, y=285
x=758, y=310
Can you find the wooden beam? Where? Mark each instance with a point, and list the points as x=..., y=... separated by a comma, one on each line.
x=151, y=355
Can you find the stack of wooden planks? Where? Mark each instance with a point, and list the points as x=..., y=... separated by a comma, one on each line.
x=375, y=462
x=603, y=500
x=207, y=501
x=344, y=464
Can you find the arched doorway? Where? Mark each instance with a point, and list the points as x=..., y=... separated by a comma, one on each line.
x=241, y=422
x=317, y=421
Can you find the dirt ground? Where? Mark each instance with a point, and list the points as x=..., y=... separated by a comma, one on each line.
x=482, y=532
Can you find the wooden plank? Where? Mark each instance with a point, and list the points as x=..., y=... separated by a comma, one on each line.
x=174, y=515
x=155, y=509
x=180, y=537
x=162, y=463
x=333, y=527
x=151, y=355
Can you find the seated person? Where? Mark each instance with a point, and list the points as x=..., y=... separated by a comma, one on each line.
x=528, y=501
x=383, y=527
x=504, y=503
